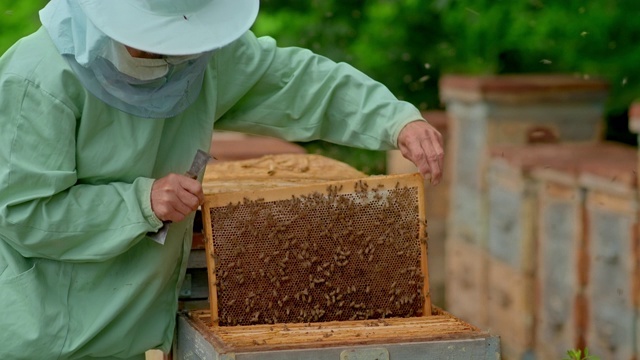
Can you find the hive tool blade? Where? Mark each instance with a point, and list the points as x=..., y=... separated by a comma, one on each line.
x=199, y=163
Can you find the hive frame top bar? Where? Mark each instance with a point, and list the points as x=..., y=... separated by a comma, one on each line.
x=285, y=192
x=342, y=187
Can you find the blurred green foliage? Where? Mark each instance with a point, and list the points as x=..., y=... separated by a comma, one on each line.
x=588, y=38
x=18, y=18
x=408, y=44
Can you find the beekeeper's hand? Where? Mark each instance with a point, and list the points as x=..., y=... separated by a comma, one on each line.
x=421, y=143
x=175, y=196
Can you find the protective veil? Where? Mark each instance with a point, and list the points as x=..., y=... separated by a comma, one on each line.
x=102, y=66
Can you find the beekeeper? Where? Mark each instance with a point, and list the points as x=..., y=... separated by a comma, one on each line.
x=100, y=110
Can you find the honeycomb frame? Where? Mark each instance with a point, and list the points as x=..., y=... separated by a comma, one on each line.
x=331, y=251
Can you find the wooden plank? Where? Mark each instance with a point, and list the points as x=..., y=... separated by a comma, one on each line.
x=511, y=308
x=467, y=149
x=612, y=278
x=560, y=279
x=467, y=282
x=527, y=88
x=212, y=263
x=519, y=124
x=612, y=243
x=512, y=215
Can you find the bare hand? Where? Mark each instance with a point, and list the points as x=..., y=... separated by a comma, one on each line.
x=421, y=143
x=175, y=196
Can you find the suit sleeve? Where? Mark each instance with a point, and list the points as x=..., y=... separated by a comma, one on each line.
x=45, y=210
x=294, y=94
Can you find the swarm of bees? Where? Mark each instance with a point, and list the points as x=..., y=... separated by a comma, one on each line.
x=319, y=257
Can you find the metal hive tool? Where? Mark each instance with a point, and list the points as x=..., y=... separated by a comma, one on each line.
x=340, y=250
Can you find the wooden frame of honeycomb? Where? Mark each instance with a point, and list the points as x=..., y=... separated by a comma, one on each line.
x=330, y=251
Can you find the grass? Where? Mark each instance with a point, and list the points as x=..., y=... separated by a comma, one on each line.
x=578, y=354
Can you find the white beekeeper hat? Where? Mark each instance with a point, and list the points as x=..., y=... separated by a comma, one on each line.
x=172, y=27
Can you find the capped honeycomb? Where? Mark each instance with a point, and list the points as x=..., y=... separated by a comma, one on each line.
x=339, y=250
x=274, y=171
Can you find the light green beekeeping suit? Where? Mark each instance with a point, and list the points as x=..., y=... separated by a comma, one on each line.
x=78, y=277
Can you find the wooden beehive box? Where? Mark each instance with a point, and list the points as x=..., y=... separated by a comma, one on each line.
x=562, y=247
x=611, y=225
x=559, y=263
x=513, y=230
x=510, y=243
x=485, y=111
x=307, y=255
x=439, y=336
